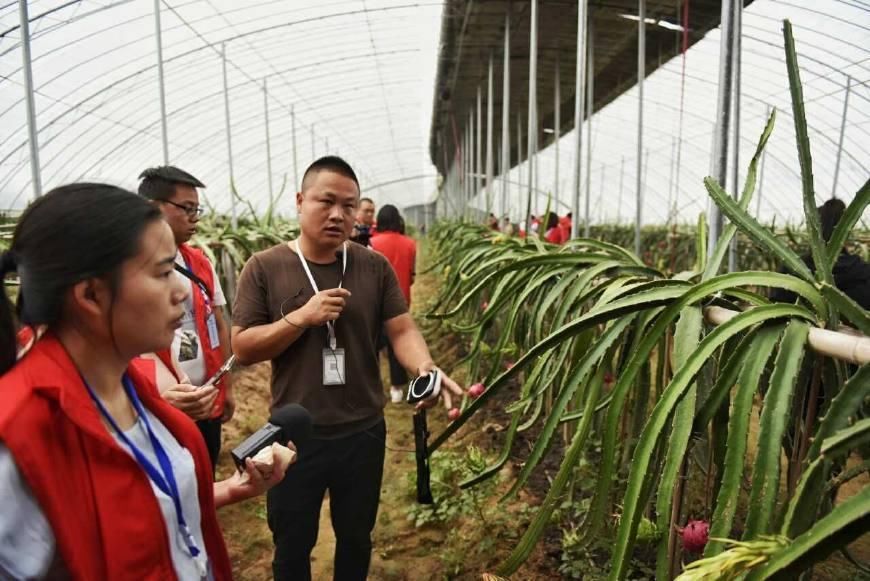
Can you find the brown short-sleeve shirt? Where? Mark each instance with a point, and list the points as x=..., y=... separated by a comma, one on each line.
x=274, y=281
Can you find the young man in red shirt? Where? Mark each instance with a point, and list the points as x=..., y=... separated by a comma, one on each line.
x=401, y=252
x=202, y=343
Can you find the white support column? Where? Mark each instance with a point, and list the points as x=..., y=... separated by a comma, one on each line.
x=234, y=216
x=557, y=127
x=590, y=108
x=158, y=34
x=641, y=73
x=735, y=145
x=506, y=116
x=520, y=182
x=478, y=159
x=296, y=183
x=533, y=113
x=32, y=138
x=719, y=161
x=842, y=135
x=579, y=92
x=490, y=152
x=472, y=166
x=268, y=142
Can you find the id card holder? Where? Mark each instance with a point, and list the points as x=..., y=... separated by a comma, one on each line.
x=333, y=366
x=213, y=338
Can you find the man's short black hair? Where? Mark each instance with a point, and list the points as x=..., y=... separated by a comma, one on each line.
x=369, y=200
x=331, y=163
x=158, y=183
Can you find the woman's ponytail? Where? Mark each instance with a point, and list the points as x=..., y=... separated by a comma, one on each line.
x=8, y=340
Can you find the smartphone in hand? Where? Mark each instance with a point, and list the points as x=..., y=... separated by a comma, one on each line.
x=225, y=368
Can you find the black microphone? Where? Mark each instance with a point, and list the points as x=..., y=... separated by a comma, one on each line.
x=290, y=422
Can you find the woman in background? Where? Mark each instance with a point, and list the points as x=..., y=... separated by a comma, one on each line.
x=401, y=252
x=101, y=478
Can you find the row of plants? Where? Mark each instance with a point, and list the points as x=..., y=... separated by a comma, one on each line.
x=672, y=248
x=615, y=353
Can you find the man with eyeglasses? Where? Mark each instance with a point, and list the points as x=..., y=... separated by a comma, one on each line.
x=202, y=343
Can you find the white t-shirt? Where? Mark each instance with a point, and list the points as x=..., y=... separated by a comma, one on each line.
x=27, y=544
x=185, y=347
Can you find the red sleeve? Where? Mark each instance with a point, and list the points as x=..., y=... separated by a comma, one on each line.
x=553, y=236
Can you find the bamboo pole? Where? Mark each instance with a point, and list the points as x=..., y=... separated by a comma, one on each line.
x=852, y=347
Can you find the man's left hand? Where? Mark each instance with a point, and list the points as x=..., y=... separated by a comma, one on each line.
x=449, y=388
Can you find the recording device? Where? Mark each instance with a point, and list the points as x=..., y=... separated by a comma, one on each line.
x=224, y=369
x=424, y=387
x=290, y=422
x=421, y=451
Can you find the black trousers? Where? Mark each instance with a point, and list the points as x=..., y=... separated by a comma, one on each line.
x=211, y=433
x=398, y=375
x=351, y=468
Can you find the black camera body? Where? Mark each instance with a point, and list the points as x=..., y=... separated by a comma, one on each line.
x=424, y=387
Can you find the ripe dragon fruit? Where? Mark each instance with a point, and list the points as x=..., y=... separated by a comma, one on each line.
x=695, y=535
x=476, y=390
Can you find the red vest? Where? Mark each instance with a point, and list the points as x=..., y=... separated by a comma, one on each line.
x=199, y=265
x=99, y=502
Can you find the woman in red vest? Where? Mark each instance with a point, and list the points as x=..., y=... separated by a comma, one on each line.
x=101, y=478
x=401, y=252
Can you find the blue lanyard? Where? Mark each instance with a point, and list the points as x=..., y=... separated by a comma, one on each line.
x=163, y=478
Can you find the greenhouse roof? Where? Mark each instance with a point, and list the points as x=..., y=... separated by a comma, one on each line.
x=357, y=76
x=680, y=104
x=363, y=79
x=474, y=31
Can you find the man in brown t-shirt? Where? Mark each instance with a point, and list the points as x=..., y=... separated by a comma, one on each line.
x=315, y=307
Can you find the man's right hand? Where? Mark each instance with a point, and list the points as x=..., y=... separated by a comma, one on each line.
x=196, y=402
x=323, y=307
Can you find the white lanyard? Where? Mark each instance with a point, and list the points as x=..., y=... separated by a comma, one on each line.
x=330, y=325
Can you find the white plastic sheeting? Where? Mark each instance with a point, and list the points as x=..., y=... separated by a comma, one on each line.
x=833, y=42
x=358, y=75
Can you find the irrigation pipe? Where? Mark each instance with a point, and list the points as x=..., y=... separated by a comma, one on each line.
x=850, y=346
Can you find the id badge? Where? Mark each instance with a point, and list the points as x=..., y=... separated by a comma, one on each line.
x=213, y=338
x=333, y=366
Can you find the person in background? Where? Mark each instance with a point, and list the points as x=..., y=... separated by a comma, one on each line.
x=492, y=222
x=202, y=343
x=507, y=227
x=565, y=226
x=101, y=478
x=315, y=307
x=851, y=273
x=553, y=232
x=401, y=252
x=364, y=228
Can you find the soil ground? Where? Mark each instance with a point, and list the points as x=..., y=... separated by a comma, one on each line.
x=401, y=551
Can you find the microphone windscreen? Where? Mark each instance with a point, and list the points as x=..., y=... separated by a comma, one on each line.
x=294, y=421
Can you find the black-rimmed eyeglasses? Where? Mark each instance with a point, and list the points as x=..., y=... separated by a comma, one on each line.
x=191, y=211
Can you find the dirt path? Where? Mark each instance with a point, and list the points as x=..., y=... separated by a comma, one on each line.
x=400, y=550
